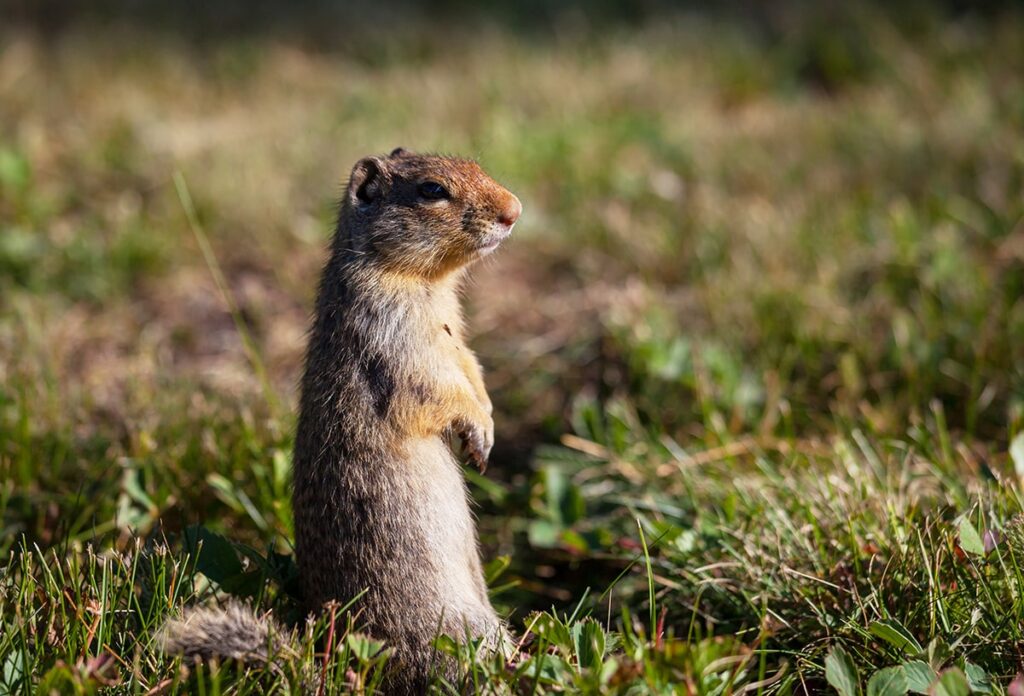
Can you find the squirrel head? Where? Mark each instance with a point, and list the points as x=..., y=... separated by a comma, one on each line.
x=424, y=215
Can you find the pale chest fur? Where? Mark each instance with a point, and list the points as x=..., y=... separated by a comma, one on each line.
x=425, y=337
x=431, y=367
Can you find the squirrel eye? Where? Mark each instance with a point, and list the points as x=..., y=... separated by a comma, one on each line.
x=433, y=191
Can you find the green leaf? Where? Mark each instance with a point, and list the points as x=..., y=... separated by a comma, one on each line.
x=977, y=679
x=1017, y=454
x=12, y=671
x=556, y=486
x=573, y=540
x=217, y=558
x=589, y=643
x=608, y=670
x=14, y=170
x=542, y=534
x=970, y=540
x=550, y=629
x=133, y=487
x=364, y=647
x=244, y=584
x=840, y=672
x=952, y=682
x=444, y=643
x=485, y=487
x=888, y=682
x=547, y=669
x=938, y=653
x=215, y=555
x=919, y=675
x=494, y=569
x=896, y=634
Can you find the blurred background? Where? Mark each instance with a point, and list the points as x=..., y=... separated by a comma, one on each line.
x=749, y=227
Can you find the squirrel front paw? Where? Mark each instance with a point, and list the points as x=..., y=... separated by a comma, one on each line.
x=477, y=441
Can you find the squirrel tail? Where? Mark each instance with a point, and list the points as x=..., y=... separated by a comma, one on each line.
x=234, y=631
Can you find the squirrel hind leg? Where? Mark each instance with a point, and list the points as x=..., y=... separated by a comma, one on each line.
x=233, y=632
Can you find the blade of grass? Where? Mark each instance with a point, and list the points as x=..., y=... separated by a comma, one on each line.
x=248, y=345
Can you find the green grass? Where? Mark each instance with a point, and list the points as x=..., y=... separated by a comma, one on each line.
x=756, y=348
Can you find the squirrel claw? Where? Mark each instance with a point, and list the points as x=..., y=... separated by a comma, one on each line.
x=477, y=443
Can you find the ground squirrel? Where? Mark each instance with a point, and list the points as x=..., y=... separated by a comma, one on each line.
x=380, y=502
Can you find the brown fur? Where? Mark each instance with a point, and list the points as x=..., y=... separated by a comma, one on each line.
x=380, y=503
x=234, y=631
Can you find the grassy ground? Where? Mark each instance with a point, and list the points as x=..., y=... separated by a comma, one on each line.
x=756, y=348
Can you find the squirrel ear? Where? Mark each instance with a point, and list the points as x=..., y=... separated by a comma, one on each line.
x=368, y=183
x=398, y=152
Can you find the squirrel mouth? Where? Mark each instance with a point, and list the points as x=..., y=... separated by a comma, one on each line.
x=493, y=241
x=485, y=249
x=489, y=246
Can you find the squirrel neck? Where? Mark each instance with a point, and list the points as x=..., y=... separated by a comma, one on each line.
x=360, y=303
x=353, y=279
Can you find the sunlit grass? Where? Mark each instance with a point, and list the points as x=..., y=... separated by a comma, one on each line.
x=755, y=348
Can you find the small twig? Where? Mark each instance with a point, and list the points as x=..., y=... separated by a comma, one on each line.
x=328, y=650
x=160, y=688
x=792, y=571
x=660, y=633
x=585, y=446
x=110, y=651
x=759, y=685
x=92, y=630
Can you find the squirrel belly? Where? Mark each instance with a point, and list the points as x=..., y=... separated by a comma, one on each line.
x=380, y=503
x=449, y=529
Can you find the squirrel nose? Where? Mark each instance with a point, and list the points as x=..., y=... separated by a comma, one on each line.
x=511, y=212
